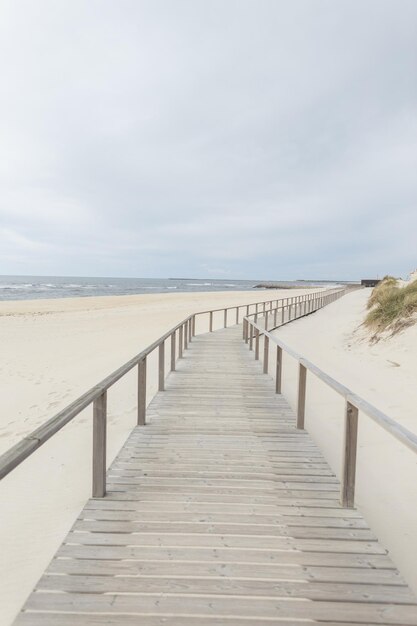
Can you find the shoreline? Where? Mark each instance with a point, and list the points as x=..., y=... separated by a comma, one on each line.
x=130, y=299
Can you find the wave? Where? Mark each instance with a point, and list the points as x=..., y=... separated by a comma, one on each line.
x=77, y=286
x=83, y=286
x=26, y=286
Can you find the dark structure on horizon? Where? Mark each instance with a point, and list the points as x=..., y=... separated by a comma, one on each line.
x=370, y=282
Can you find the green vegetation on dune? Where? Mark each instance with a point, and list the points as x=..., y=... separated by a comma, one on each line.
x=391, y=306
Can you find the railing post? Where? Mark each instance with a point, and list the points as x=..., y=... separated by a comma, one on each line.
x=278, y=373
x=302, y=376
x=225, y=318
x=266, y=320
x=275, y=317
x=237, y=315
x=250, y=337
x=266, y=354
x=247, y=309
x=173, y=351
x=283, y=315
x=161, y=367
x=180, y=342
x=211, y=322
x=185, y=335
x=256, y=345
x=190, y=330
x=193, y=331
x=99, y=445
x=142, y=392
x=347, y=495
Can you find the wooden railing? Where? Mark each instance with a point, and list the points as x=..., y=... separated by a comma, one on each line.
x=179, y=338
x=292, y=308
x=253, y=332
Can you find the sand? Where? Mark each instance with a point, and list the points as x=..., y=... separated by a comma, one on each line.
x=53, y=351
x=384, y=374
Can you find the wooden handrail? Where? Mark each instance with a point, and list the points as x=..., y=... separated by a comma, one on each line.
x=354, y=403
x=97, y=395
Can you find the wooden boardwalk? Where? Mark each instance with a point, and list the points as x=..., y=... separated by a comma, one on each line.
x=219, y=512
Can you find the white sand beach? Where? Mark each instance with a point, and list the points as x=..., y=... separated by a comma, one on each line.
x=384, y=374
x=52, y=352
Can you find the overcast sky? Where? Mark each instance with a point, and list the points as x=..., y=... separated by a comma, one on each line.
x=232, y=138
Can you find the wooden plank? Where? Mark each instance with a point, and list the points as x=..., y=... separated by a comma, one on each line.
x=266, y=355
x=207, y=540
x=221, y=527
x=301, y=403
x=199, y=507
x=278, y=372
x=173, y=351
x=349, y=456
x=219, y=606
x=234, y=555
x=222, y=585
x=265, y=571
x=183, y=515
x=180, y=342
x=99, y=445
x=185, y=334
x=161, y=367
x=142, y=392
x=72, y=619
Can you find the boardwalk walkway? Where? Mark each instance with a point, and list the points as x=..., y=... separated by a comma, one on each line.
x=219, y=512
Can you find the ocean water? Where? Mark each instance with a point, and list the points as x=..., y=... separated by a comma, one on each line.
x=34, y=287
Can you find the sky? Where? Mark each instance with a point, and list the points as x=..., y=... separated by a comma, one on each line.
x=258, y=139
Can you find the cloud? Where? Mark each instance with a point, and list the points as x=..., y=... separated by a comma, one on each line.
x=255, y=139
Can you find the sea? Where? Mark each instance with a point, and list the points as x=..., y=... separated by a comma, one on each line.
x=37, y=287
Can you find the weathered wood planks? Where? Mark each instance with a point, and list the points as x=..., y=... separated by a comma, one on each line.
x=219, y=512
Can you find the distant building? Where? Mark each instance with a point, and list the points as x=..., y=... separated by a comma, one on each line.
x=370, y=282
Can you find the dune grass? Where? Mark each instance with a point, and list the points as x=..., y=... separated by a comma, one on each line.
x=391, y=307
